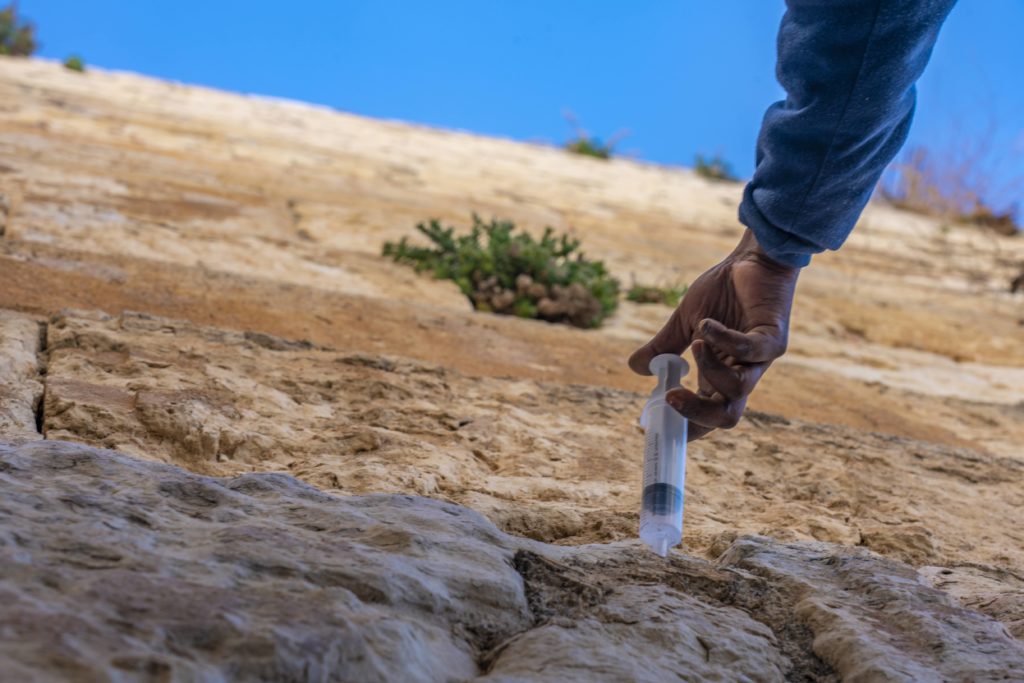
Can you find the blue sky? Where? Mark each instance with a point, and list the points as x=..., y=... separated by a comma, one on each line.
x=682, y=77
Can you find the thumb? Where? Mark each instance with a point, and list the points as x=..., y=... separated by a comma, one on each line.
x=674, y=337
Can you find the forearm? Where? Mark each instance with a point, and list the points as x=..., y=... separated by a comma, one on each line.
x=849, y=68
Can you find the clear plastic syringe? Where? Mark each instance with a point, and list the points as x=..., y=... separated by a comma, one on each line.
x=661, y=512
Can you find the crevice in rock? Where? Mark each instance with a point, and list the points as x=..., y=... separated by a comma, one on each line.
x=269, y=341
x=765, y=601
x=5, y=212
x=42, y=366
x=557, y=591
x=707, y=648
x=773, y=606
x=553, y=590
x=294, y=215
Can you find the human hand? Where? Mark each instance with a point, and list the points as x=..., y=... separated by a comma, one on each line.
x=736, y=316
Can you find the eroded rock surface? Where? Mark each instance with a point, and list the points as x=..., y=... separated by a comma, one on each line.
x=996, y=592
x=114, y=567
x=552, y=462
x=21, y=387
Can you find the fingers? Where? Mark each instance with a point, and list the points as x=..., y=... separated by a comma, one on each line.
x=756, y=346
x=674, y=337
x=723, y=388
x=709, y=412
x=695, y=431
x=733, y=382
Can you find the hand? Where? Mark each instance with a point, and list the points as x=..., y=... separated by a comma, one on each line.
x=736, y=315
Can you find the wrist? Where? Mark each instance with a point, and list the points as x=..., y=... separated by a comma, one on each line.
x=749, y=249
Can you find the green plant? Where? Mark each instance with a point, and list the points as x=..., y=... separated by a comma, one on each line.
x=715, y=168
x=589, y=145
x=17, y=37
x=651, y=294
x=509, y=272
x=74, y=63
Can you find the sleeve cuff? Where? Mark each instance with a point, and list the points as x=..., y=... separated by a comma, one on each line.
x=780, y=245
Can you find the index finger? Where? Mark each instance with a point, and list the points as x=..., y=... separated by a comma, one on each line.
x=674, y=337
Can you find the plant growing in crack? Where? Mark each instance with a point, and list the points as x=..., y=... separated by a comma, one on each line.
x=502, y=270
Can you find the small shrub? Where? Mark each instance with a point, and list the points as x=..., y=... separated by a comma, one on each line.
x=588, y=145
x=508, y=272
x=75, y=63
x=17, y=37
x=591, y=147
x=715, y=168
x=650, y=294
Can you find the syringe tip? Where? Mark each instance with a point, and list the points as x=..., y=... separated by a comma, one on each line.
x=663, y=546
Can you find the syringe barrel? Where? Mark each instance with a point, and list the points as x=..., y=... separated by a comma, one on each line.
x=661, y=513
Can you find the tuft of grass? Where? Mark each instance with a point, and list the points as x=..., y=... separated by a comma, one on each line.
x=651, y=294
x=591, y=147
x=75, y=63
x=17, y=36
x=715, y=168
x=502, y=270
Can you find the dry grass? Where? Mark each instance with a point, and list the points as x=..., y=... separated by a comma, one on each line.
x=959, y=184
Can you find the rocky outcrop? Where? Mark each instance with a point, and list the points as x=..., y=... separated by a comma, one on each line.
x=271, y=341
x=117, y=568
x=551, y=462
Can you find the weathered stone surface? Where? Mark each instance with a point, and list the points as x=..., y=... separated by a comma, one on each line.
x=273, y=337
x=892, y=629
x=21, y=390
x=551, y=462
x=118, y=568
x=644, y=633
x=996, y=592
x=113, y=567
x=269, y=215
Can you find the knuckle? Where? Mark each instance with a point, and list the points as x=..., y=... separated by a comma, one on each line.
x=737, y=388
x=732, y=418
x=748, y=382
x=780, y=340
x=781, y=347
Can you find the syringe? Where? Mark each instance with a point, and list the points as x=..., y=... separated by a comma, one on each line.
x=661, y=512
